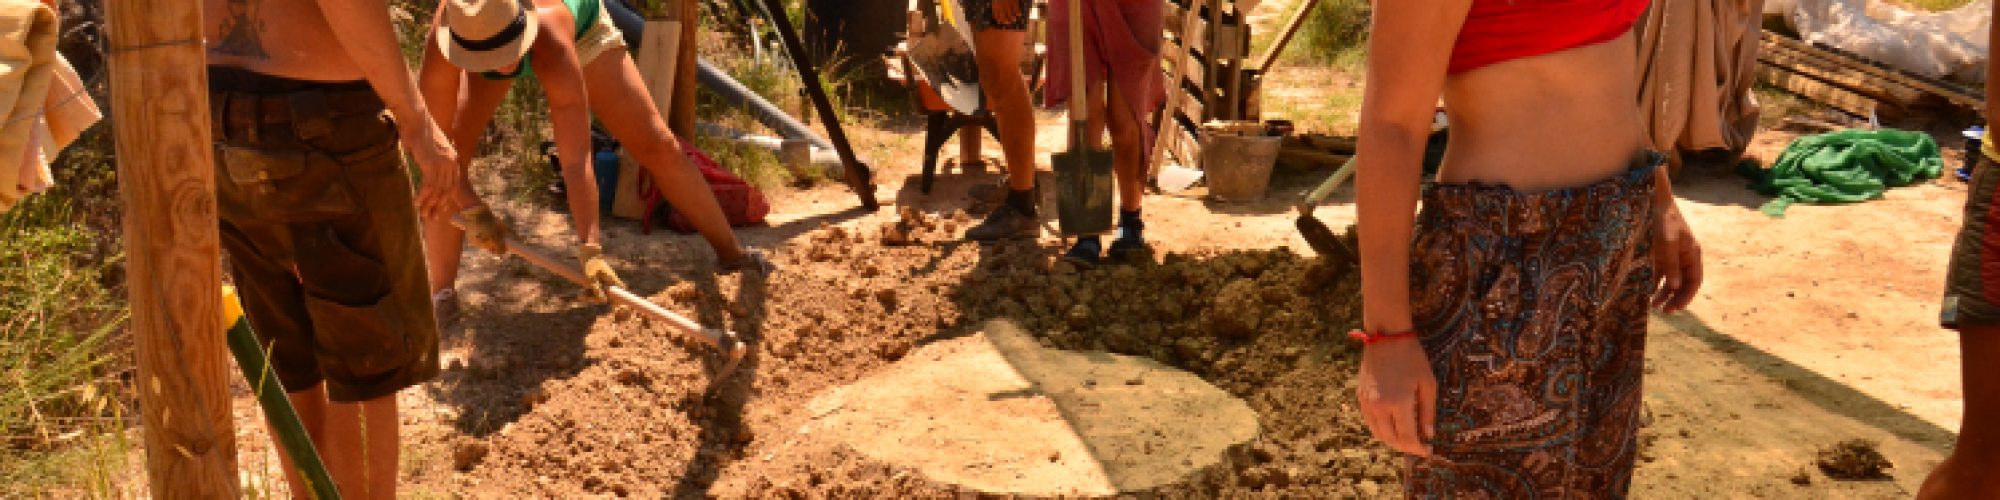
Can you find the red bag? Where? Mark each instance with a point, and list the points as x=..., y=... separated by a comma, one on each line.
x=742, y=204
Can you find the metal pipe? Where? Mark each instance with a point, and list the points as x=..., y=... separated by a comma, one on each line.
x=765, y=112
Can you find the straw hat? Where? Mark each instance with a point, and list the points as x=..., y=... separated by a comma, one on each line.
x=485, y=35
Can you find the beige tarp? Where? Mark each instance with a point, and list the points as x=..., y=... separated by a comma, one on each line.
x=1697, y=60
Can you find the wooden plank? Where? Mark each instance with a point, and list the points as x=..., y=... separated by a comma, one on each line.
x=1820, y=92
x=657, y=68
x=1856, y=63
x=1878, y=88
x=1323, y=142
x=173, y=268
x=1186, y=142
x=1311, y=157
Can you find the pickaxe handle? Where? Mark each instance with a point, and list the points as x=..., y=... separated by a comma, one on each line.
x=623, y=297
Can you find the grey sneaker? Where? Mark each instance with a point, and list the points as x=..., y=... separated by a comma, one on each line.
x=1005, y=223
x=753, y=260
x=445, y=306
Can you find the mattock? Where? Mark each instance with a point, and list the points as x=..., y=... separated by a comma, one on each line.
x=732, y=348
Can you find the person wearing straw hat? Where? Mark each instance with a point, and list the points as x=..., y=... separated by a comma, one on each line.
x=310, y=102
x=579, y=57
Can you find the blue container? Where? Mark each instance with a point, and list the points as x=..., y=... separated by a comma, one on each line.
x=606, y=168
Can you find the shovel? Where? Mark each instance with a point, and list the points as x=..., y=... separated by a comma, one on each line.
x=944, y=55
x=1083, y=175
x=1320, y=237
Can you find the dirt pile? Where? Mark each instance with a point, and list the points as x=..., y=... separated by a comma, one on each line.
x=1854, y=459
x=630, y=412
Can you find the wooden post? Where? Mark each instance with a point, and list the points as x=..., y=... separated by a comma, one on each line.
x=681, y=118
x=166, y=179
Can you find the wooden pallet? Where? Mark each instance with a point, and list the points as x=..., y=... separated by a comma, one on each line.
x=1210, y=76
x=1852, y=83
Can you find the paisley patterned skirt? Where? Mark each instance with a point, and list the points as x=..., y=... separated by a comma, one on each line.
x=1534, y=312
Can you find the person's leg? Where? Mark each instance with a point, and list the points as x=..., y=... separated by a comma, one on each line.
x=999, y=53
x=1127, y=151
x=1006, y=89
x=361, y=447
x=311, y=407
x=619, y=99
x=443, y=241
x=1969, y=471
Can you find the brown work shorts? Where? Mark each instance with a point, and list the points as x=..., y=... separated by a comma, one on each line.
x=322, y=235
x=1972, y=280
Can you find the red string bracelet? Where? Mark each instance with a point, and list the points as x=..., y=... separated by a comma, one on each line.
x=1367, y=338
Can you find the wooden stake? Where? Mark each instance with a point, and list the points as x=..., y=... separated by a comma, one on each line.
x=166, y=179
x=681, y=120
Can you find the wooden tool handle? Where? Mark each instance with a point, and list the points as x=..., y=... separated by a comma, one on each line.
x=1326, y=188
x=1078, y=95
x=618, y=294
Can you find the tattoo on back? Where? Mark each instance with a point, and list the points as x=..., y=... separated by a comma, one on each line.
x=240, y=31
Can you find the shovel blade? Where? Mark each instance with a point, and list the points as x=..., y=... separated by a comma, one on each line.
x=1083, y=191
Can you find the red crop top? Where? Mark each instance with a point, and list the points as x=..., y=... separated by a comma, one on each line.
x=1497, y=31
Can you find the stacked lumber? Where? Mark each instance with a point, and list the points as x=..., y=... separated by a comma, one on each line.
x=1211, y=76
x=1854, y=84
x=1317, y=150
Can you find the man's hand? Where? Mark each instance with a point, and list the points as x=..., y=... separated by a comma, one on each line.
x=1006, y=11
x=600, y=273
x=1676, y=260
x=485, y=229
x=1398, y=395
x=439, y=163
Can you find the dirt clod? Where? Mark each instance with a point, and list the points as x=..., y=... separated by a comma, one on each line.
x=1854, y=459
x=467, y=454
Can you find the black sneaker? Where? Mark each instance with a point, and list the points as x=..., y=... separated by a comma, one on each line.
x=1086, y=253
x=1005, y=223
x=1130, y=250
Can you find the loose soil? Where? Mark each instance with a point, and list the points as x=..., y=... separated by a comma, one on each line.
x=1813, y=330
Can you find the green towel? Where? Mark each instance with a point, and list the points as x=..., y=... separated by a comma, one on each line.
x=1846, y=167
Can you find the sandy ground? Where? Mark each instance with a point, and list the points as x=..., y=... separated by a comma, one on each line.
x=1812, y=329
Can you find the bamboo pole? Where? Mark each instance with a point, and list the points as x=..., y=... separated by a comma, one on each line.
x=166, y=180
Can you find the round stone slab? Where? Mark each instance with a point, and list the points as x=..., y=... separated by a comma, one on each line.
x=996, y=412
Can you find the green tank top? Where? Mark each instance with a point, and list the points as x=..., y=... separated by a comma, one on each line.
x=584, y=11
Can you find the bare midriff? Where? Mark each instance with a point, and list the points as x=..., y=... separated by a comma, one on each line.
x=1551, y=121
x=284, y=38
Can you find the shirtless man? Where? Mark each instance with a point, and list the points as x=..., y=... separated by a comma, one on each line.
x=310, y=100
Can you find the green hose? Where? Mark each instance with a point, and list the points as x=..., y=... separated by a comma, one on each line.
x=278, y=411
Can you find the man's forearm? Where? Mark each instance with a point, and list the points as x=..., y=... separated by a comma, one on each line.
x=369, y=37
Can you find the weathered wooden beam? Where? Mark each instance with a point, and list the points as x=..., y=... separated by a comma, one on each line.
x=1820, y=92
x=1819, y=69
x=681, y=120
x=166, y=181
x=1856, y=63
x=1311, y=157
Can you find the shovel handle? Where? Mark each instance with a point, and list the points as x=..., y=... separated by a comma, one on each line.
x=1078, y=95
x=1325, y=189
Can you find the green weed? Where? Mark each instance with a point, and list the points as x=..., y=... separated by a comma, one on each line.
x=1335, y=32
